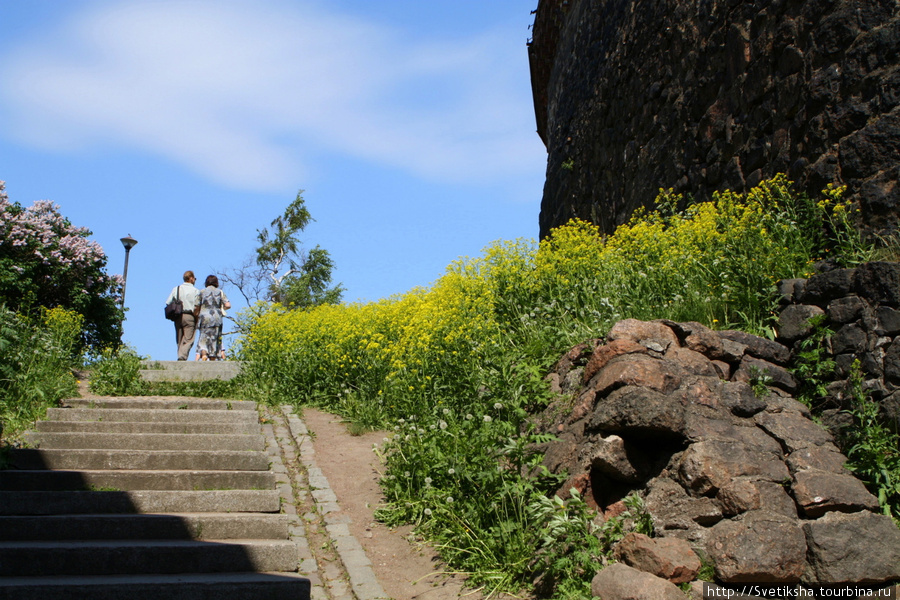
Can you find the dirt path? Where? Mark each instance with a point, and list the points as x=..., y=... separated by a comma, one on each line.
x=407, y=570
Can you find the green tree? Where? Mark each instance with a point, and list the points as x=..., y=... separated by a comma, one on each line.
x=46, y=262
x=282, y=271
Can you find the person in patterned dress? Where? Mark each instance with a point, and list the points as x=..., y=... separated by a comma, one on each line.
x=212, y=304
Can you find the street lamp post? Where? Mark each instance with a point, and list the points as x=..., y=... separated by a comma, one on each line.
x=129, y=243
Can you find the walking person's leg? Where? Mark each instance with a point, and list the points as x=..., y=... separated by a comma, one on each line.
x=204, y=342
x=179, y=334
x=188, y=330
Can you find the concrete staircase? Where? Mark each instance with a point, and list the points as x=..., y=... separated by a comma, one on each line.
x=145, y=498
x=189, y=370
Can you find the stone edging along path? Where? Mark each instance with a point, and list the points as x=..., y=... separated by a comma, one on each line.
x=332, y=557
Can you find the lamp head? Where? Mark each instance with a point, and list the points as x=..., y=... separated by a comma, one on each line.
x=129, y=242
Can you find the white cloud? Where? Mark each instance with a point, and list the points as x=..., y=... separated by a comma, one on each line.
x=242, y=92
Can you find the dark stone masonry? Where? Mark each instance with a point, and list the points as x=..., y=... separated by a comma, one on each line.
x=633, y=96
x=861, y=307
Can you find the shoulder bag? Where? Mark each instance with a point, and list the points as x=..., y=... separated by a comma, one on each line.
x=175, y=308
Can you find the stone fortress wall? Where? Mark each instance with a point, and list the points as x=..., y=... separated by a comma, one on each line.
x=632, y=96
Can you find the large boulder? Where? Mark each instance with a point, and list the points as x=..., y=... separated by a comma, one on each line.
x=669, y=558
x=840, y=548
x=711, y=465
x=759, y=546
x=820, y=492
x=621, y=582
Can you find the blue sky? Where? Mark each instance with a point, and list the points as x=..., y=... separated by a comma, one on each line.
x=191, y=124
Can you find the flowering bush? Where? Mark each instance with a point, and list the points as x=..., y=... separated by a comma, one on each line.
x=47, y=262
x=456, y=369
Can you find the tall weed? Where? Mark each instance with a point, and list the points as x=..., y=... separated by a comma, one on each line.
x=872, y=448
x=115, y=372
x=37, y=358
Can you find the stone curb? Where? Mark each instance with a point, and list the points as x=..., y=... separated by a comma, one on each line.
x=358, y=566
x=306, y=563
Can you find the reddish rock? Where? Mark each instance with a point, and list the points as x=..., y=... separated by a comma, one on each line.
x=738, y=497
x=583, y=406
x=605, y=353
x=643, y=332
x=723, y=369
x=759, y=546
x=637, y=370
x=701, y=428
x=818, y=492
x=653, y=407
x=732, y=351
x=581, y=483
x=669, y=558
x=692, y=361
x=621, y=582
x=553, y=380
x=824, y=458
x=738, y=397
x=700, y=338
x=614, y=510
x=638, y=410
x=699, y=393
x=618, y=460
x=674, y=510
x=562, y=453
x=744, y=495
x=777, y=402
x=571, y=358
x=710, y=465
x=793, y=430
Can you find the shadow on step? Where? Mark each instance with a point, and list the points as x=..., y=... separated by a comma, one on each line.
x=61, y=535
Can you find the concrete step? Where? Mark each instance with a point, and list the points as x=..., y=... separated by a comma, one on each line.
x=144, y=441
x=162, y=370
x=247, y=428
x=122, y=557
x=186, y=375
x=182, y=515
x=219, y=586
x=191, y=365
x=139, y=501
x=155, y=402
x=46, y=480
x=149, y=415
x=152, y=460
x=174, y=526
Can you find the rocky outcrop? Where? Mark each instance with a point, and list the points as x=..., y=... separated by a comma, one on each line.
x=702, y=425
x=635, y=96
